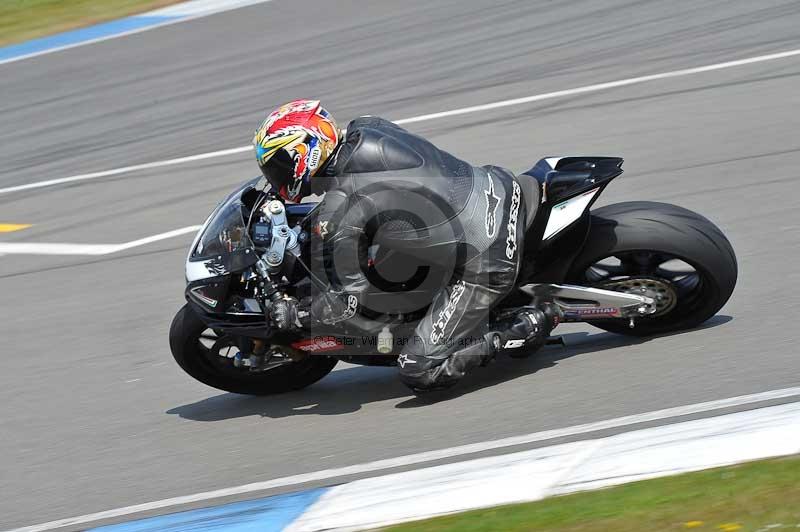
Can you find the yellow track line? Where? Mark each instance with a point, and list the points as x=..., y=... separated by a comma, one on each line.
x=10, y=228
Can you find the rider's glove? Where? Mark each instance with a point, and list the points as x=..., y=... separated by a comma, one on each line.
x=285, y=314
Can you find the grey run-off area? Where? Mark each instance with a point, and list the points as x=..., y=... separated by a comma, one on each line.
x=95, y=415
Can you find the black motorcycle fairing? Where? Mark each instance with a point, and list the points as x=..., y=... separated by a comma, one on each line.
x=549, y=260
x=224, y=242
x=211, y=293
x=573, y=175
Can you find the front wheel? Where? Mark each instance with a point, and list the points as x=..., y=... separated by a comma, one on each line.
x=669, y=253
x=209, y=357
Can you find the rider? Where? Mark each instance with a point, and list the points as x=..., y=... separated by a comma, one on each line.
x=386, y=186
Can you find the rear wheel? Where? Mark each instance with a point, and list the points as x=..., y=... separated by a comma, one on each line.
x=208, y=356
x=669, y=253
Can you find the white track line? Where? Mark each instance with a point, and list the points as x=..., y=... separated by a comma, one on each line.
x=602, y=86
x=41, y=248
x=432, y=116
x=124, y=170
x=419, y=458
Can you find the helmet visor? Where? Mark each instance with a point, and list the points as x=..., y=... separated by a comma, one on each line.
x=279, y=170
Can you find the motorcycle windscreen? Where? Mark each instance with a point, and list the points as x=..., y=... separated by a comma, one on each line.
x=225, y=238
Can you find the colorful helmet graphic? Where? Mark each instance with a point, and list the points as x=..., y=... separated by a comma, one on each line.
x=293, y=143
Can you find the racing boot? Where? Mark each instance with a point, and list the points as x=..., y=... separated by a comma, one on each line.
x=523, y=334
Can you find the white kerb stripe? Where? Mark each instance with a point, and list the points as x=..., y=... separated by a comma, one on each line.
x=377, y=502
x=183, y=12
x=196, y=8
x=418, y=458
x=432, y=116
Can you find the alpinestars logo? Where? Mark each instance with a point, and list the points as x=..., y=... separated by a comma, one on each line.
x=437, y=334
x=352, y=306
x=511, y=241
x=514, y=344
x=403, y=359
x=349, y=311
x=492, y=201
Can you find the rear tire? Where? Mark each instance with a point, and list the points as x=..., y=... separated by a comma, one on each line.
x=194, y=358
x=624, y=229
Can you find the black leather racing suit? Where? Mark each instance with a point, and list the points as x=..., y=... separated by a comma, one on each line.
x=389, y=187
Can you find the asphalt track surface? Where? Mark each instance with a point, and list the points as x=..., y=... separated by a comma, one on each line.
x=94, y=413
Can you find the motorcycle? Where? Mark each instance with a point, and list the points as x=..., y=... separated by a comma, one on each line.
x=635, y=268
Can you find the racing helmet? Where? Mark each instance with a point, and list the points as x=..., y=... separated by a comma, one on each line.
x=293, y=144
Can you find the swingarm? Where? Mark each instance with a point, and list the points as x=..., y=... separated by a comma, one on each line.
x=579, y=303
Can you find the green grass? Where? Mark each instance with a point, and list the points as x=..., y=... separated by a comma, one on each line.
x=21, y=20
x=746, y=497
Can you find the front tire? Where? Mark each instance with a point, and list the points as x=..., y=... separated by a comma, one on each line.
x=644, y=236
x=186, y=336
